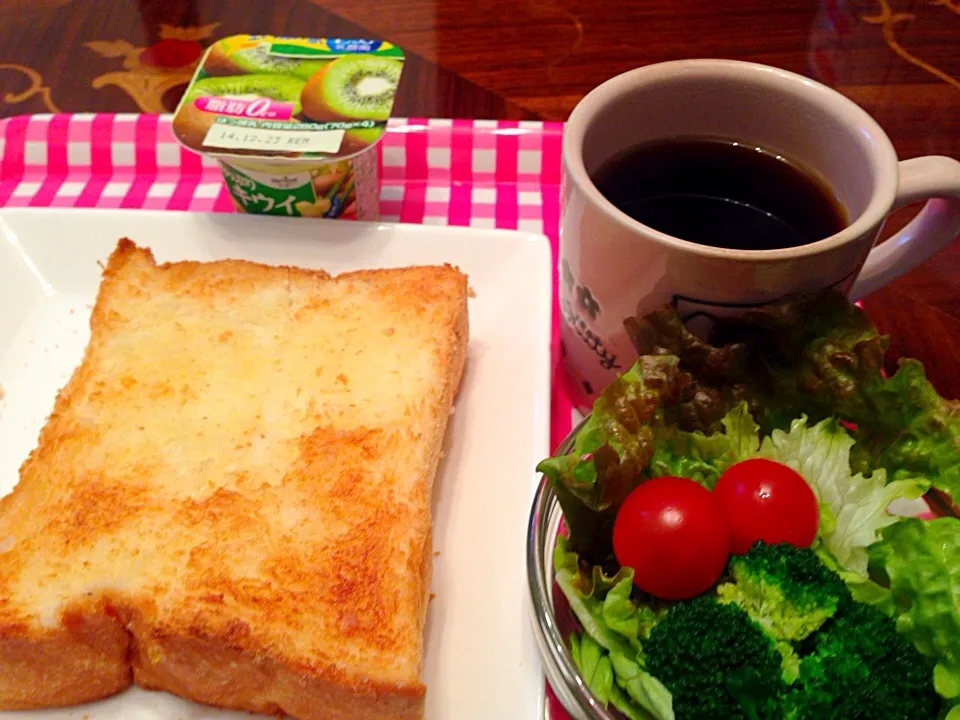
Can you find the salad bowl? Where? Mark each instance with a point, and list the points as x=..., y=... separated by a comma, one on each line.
x=913, y=474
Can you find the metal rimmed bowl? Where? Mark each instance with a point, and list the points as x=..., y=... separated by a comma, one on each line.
x=552, y=619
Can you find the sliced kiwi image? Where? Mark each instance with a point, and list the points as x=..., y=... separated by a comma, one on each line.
x=257, y=60
x=352, y=87
x=218, y=63
x=191, y=124
x=306, y=69
x=275, y=87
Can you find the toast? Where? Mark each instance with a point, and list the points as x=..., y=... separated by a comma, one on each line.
x=231, y=498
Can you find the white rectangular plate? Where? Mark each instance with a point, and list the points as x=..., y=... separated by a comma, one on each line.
x=481, y=660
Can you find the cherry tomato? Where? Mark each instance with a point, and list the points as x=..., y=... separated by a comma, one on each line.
x=674, y=536
x=766, y=500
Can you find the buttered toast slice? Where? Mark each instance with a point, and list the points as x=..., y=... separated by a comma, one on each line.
x=231, y=499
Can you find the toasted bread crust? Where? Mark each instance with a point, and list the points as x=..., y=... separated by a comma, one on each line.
x=230, y=678
x=272, y=554
x=81, y=660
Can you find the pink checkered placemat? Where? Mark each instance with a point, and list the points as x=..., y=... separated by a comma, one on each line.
x=476, y=173
x=458, y=172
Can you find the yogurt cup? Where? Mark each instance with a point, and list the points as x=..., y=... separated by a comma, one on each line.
x=294, y=123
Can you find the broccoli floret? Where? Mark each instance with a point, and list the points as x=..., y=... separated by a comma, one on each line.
x=787, y=590
x=716, y=662
x=861, y=668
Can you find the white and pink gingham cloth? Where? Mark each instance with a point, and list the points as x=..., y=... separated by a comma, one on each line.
x=453, y=172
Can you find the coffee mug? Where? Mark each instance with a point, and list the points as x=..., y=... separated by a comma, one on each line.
x=613, y=268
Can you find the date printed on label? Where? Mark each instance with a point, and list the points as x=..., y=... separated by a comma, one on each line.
x=230, y=137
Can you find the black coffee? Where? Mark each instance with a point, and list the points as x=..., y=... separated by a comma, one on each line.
x=721, y=193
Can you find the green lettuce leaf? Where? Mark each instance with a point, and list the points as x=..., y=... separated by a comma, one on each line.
x=620, y=612
x=919, y=433
x=643, y=425
x=622, y=702
x=702, y=457
x=863, y=588
x=808, y=354
x=613, y=629
x=594, y=665
x=624, y=616
x=820, y=356
x=920, y=562
x=742, y=431
x=586, y=595
x=854, y=507
x=642, y=687
x=611, y=451
x=614, y=678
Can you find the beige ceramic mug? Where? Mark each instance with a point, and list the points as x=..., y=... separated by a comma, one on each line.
x=613, y=268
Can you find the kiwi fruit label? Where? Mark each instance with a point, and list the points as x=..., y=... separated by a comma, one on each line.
x=304, y=104
x=288, y=97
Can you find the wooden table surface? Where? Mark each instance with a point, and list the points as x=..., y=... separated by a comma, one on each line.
x=518, y=59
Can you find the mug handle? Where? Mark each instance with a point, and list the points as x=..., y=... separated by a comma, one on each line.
x=934, y=178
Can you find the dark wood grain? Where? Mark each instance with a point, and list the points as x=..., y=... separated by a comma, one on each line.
x=50, y=39
x=899, y=59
